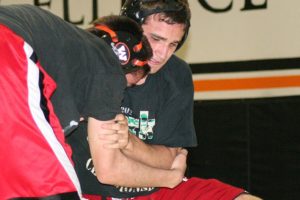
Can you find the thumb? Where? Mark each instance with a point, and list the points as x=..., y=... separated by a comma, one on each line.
x=183, y=151
x=119, y=117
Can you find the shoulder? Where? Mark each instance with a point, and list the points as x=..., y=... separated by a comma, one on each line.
x=23, y=12
x=178, y=72
x=174, y=79
x=176, y=60
x=178, y=64
x=30, y=22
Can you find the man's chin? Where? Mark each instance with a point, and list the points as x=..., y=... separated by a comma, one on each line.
x=155, y=69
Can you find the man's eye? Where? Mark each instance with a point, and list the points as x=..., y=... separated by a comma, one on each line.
x=174, y=45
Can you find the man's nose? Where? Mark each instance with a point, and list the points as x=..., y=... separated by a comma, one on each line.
x=162, y=51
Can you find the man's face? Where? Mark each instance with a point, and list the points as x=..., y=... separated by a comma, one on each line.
x=163, y=38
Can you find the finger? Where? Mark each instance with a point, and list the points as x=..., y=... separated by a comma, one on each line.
x=122, y=122
x=113, y=137
x=112, y=126
x=108, y=126
x=183, y=152
x=120, y=117
x=111, y=146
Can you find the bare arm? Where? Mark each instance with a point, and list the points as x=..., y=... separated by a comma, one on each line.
x=247, y=197
x=153, y=155
x=114, y=167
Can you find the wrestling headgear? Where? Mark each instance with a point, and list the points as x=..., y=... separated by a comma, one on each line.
x=136, y=10
x=126, y=40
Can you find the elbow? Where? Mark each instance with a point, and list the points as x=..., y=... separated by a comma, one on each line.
x=104, y=179
x=107, y=168
x=105, y=175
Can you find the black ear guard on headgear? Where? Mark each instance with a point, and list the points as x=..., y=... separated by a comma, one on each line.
x=133, y=9
x=128, y=49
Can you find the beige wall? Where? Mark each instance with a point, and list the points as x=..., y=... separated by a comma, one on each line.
x=218, y=37
x=273, y=32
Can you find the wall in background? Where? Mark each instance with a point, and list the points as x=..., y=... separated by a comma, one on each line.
x=252, y=144
x=231, y=30
x=245, y=59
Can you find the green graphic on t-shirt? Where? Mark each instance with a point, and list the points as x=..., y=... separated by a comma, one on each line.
x=142, y=127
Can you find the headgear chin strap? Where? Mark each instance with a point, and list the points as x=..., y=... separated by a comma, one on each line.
x=126, y=47
x=134, y=10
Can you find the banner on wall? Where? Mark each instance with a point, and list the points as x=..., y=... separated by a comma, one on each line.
x=247, y=79
x=236, y=48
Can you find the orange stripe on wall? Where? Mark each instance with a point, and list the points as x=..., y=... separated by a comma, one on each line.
x=247, y=83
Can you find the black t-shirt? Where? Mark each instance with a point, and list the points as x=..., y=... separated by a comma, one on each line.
x=159, y=112
x=90, y=81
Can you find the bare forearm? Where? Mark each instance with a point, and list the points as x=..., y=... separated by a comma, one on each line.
x=115, y=168
x=153, y=155
x=247, y=197
x=158, y=156
x=141, y=175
